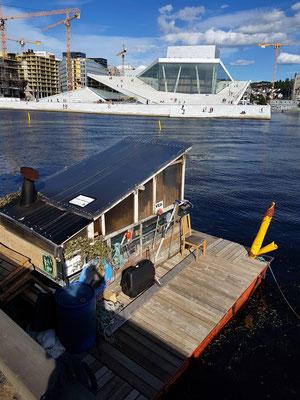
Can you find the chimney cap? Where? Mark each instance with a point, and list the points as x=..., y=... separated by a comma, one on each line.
x=29, y=173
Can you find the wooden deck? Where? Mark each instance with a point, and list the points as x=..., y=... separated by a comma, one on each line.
x=175, y=322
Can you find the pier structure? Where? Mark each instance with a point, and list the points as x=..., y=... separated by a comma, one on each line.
x=145, y=110
x=157, y=334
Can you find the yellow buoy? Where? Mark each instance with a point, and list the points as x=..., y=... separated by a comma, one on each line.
x=29, y=118
x=256, y=245
x=159, y=126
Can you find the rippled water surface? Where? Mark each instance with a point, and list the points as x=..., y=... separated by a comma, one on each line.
x=235, y=170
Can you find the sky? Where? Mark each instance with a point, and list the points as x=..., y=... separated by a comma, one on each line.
x=148, y=27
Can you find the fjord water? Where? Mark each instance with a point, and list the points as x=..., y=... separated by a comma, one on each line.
x=235, y=170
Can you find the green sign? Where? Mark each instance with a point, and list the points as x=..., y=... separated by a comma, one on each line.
x=48, y=264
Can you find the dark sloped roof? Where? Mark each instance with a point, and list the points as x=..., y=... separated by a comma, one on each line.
x=47, y=220
x=110, y=175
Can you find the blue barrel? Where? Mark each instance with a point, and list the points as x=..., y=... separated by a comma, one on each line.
x=76, y=316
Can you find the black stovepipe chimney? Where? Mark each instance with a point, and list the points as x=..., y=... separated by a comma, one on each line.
x=28, y=194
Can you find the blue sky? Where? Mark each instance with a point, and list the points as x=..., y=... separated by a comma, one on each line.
x=147, y=27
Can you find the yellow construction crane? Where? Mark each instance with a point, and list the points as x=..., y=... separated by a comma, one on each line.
x=276, y=47
x=123, y=59
x=66, y=21
x=22, y=42
x=3, y=20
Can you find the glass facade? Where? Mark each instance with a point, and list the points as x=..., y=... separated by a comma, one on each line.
x=191, y=78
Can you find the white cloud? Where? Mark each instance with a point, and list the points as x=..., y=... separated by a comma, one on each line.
x=223, y=38
x=225, y=6
x=189, y=13
x=144, y=48
x=165, y=25
x=236, y=29
x=131, y=71
x=296, y=6
x=286, y=58
x=166, y=20
x=242, y=63
x=165, y=9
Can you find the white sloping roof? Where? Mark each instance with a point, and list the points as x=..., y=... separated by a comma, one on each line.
x=135, y=87
x=84, y=95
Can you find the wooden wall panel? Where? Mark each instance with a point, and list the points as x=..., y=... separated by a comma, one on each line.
x=168, y=186
x=146, y=201
x=19, y=241
x=119, y=216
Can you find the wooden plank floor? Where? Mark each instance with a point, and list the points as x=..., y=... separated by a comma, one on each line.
x=155, y=342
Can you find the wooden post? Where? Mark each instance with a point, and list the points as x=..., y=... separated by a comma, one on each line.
x=154, y=193
x=90, y=230
x=103, y=224
x=183, y=175
x=141, y=240
x=136, y=206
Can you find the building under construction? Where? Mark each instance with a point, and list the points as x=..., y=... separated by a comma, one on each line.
x=11, y=85
x=40, y=71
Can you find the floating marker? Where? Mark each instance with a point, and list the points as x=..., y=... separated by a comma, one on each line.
x=159, y=126
x=29, y=118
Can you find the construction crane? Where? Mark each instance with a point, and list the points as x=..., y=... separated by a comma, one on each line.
x=123, y=59
x=66, y=21
x=22, y=42
x=3, y=20
x=276, y=47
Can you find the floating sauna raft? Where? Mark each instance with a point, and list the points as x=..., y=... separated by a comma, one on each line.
x=170, y=325
x=133, y=188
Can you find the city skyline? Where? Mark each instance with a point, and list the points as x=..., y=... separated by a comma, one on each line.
x=149, y=29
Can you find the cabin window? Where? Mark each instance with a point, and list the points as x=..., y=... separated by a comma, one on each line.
x=146, y=201
x=119, y=216
x=168, y=185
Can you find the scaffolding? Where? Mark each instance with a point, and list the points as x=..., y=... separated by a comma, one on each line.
x=11, y=84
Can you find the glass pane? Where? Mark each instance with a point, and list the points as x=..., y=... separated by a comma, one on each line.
x=151, y=77
x=191, y=78
x=222, y=79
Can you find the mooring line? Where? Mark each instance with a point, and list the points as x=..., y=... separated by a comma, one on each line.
x=283, y=293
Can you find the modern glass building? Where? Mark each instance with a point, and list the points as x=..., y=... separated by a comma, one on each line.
x=187, y=75
x=80, y=67
x=199, y=72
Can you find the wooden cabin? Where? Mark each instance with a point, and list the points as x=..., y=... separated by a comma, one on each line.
x=130, y=188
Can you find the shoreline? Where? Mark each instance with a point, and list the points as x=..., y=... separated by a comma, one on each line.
x=150, y=110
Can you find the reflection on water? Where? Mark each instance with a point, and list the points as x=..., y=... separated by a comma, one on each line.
x=235, y=169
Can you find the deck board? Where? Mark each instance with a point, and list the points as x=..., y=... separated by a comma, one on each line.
x=109, y=388
x=168, y=326
x=121, y=392
x=151, y=344
x=161, y=366
x=162, y=331
x=190, y=307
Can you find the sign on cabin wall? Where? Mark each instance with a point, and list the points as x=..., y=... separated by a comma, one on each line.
x=48, y=264
x=159, y=205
